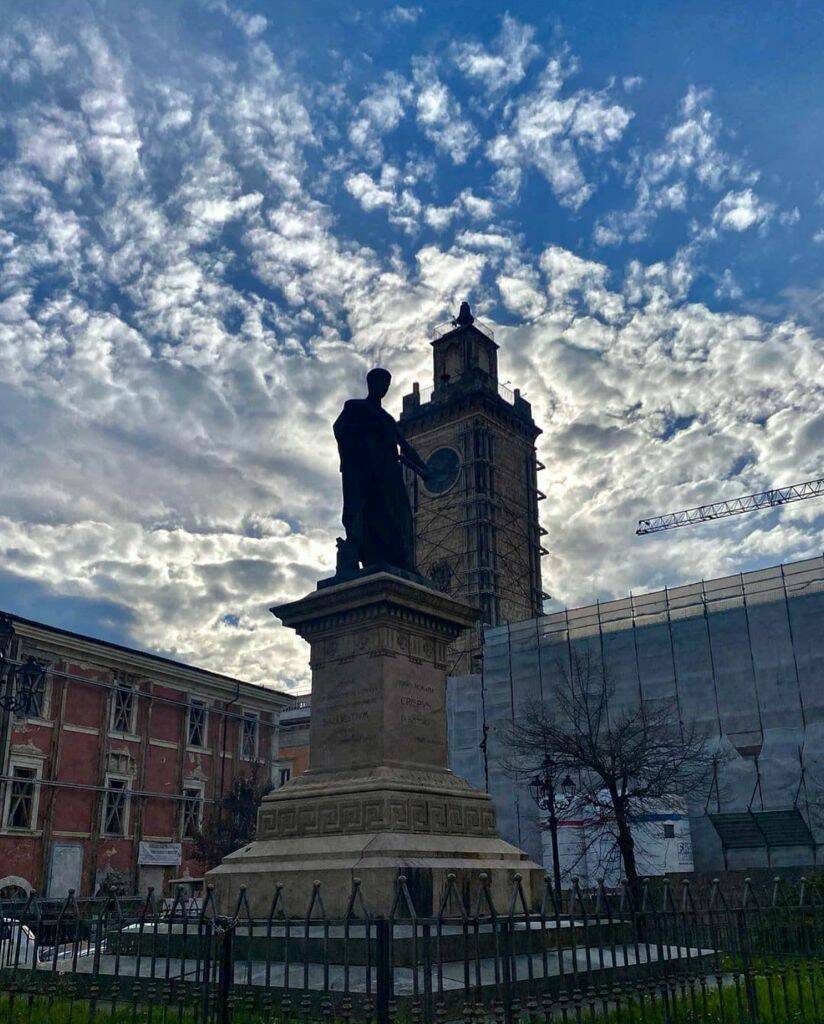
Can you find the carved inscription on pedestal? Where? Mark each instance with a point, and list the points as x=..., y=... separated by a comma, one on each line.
x=417, y=703
x=418, y=719
x=346, y=718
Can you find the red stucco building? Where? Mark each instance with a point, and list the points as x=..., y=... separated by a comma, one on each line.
x=117, y=758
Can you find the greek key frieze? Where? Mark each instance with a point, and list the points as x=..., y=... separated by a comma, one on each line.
x=389, y=812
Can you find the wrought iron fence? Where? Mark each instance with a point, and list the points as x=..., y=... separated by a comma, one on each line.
x=599, y=956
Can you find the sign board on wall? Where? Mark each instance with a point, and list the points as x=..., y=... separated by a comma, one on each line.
x=65, y=870
x=159, y=853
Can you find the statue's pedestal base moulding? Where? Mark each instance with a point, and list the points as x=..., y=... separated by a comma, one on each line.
x=378, y=799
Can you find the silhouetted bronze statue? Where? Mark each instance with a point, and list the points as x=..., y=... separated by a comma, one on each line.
x=376, y=513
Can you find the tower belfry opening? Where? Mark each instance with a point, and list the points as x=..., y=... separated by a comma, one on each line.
x=477, y=534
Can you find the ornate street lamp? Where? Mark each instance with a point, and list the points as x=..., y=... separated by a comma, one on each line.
x=542, y=788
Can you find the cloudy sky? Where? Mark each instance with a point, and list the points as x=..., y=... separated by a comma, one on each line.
x=216, y=216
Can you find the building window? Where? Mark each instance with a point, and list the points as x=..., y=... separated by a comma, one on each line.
x=196, y=724
x=35, y=700
x=249, y=736
x=115, y=806
x=21, y=800
x=124, y=706
x=669, y=831
x=35, y=704
x=192, y=810
x=281, y=773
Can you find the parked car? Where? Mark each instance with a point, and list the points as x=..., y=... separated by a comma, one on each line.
x=17, y=944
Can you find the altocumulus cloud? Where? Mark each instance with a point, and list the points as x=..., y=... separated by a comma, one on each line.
x=184, y=306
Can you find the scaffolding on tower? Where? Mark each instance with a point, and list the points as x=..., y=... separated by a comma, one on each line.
x=515, y=538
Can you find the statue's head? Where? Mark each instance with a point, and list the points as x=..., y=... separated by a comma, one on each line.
x=377, y=382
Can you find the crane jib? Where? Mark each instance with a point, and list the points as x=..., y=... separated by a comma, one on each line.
x=724, y=509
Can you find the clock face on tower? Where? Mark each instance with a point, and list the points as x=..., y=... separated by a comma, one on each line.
x=444, y=465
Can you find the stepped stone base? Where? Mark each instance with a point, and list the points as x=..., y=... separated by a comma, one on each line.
x=376, y=858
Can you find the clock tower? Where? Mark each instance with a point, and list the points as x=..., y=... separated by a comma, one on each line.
x=477, y=534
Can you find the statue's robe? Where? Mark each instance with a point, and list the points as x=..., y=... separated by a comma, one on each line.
x=376, y=513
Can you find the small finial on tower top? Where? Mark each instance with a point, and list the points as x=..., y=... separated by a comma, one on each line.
x=464, y=317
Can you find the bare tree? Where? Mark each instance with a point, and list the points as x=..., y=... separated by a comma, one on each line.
x=234, y=823
x=630, y=759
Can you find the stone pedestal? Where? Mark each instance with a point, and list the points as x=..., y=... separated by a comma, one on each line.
x=378, y=798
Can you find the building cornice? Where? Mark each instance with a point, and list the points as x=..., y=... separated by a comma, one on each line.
x=154, y=667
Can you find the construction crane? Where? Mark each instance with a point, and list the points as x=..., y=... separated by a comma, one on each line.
x=725, y=509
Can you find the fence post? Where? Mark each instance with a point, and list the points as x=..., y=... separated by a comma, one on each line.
x=383, y=970
x=205, y=953
x=426, y=936
x=505, y=929
x=225, y=931
x=749, y=980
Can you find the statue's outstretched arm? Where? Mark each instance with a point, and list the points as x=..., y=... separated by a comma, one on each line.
x=411, y=457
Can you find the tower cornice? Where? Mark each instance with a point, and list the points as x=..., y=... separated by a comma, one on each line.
x=462, y=401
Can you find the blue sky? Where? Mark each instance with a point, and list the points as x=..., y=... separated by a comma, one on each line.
x=215, y=217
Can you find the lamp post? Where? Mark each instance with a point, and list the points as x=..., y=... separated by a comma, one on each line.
x=19, y=682
x=542, y=788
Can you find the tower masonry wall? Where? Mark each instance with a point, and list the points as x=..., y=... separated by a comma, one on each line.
x=742, y=655
x=484, y=526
